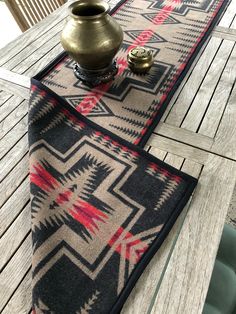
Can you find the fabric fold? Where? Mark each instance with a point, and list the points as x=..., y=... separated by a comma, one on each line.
x=101, y=207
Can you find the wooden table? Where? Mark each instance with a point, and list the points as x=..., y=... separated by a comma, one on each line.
x=197, y=134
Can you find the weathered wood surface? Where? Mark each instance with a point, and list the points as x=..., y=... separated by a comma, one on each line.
x=28, y=13
x=184, y=285
x=197, y=135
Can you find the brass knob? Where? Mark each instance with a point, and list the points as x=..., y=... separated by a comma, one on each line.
x=140, y=60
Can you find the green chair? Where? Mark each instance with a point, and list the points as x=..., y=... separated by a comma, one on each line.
x=221, y=297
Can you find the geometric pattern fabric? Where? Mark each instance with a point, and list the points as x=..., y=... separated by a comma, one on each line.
x=101, y=206
x=131, y=105
x=100, y=209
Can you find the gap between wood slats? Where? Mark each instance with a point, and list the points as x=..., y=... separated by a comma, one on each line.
x=12, y=138
x=4, y=96
x=10, y=184
x=15, y=271
x=191, y=86
x=206, y=90
x=231, y=94
x=180, y=88
x=10, y=165
x=14, y=206
x=9, y=107
x=202, y=99
x=40, y=59
x=190, y=89
x=226, y=134
x=9, y=243
x=9, y=122
x=199, y=238
x=216, y=108
x=21, y=301
x=35, y=46
x=14, y=48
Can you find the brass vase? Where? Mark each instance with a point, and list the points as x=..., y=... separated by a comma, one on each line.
x=92, y=38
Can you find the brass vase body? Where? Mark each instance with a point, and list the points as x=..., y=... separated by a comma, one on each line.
x=91, y=36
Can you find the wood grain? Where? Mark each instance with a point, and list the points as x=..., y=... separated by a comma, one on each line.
x=226, y=135
x=219, y=100
x=179, y=149
x=9, y=241
x=191, y=87
x=12, y=119
x=204, y=94
x=39, y=30
x=13, y=157
x=185, y=136
x=210, y=60
x=13, y=180
x=20, y=302
x=185, y=282
x=12, y=137
x=29, y=12
x=14, y=205
x=15, y=270
x=15, y=89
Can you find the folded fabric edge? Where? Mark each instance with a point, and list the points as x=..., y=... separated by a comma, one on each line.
x=192, y=182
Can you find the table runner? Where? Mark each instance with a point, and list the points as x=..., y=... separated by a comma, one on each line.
x=132, y=105
x=101, y=207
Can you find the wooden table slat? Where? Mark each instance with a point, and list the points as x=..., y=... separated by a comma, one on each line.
x=20, y=302
x=9, y=243
x=4, y=96
x=198, y=107
x=11, y=138
x=183, y=135
x=42, y=28
x=219, y=100
x=15, y=271
x=184, y=286
x=13, y=180
x=13, y=157
x=191, y=87
x=226, y=135
x=12, y=119
x=13, y=206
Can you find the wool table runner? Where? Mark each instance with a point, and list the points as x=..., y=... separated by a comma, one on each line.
x=101, y=206
x=132, y=105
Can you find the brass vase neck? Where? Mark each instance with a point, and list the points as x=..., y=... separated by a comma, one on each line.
x=88, y=10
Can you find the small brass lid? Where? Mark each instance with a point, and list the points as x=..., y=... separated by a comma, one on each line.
x=140, y=60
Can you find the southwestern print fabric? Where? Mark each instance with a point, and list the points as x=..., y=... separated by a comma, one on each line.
x=132, y=105
x=101, y=208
